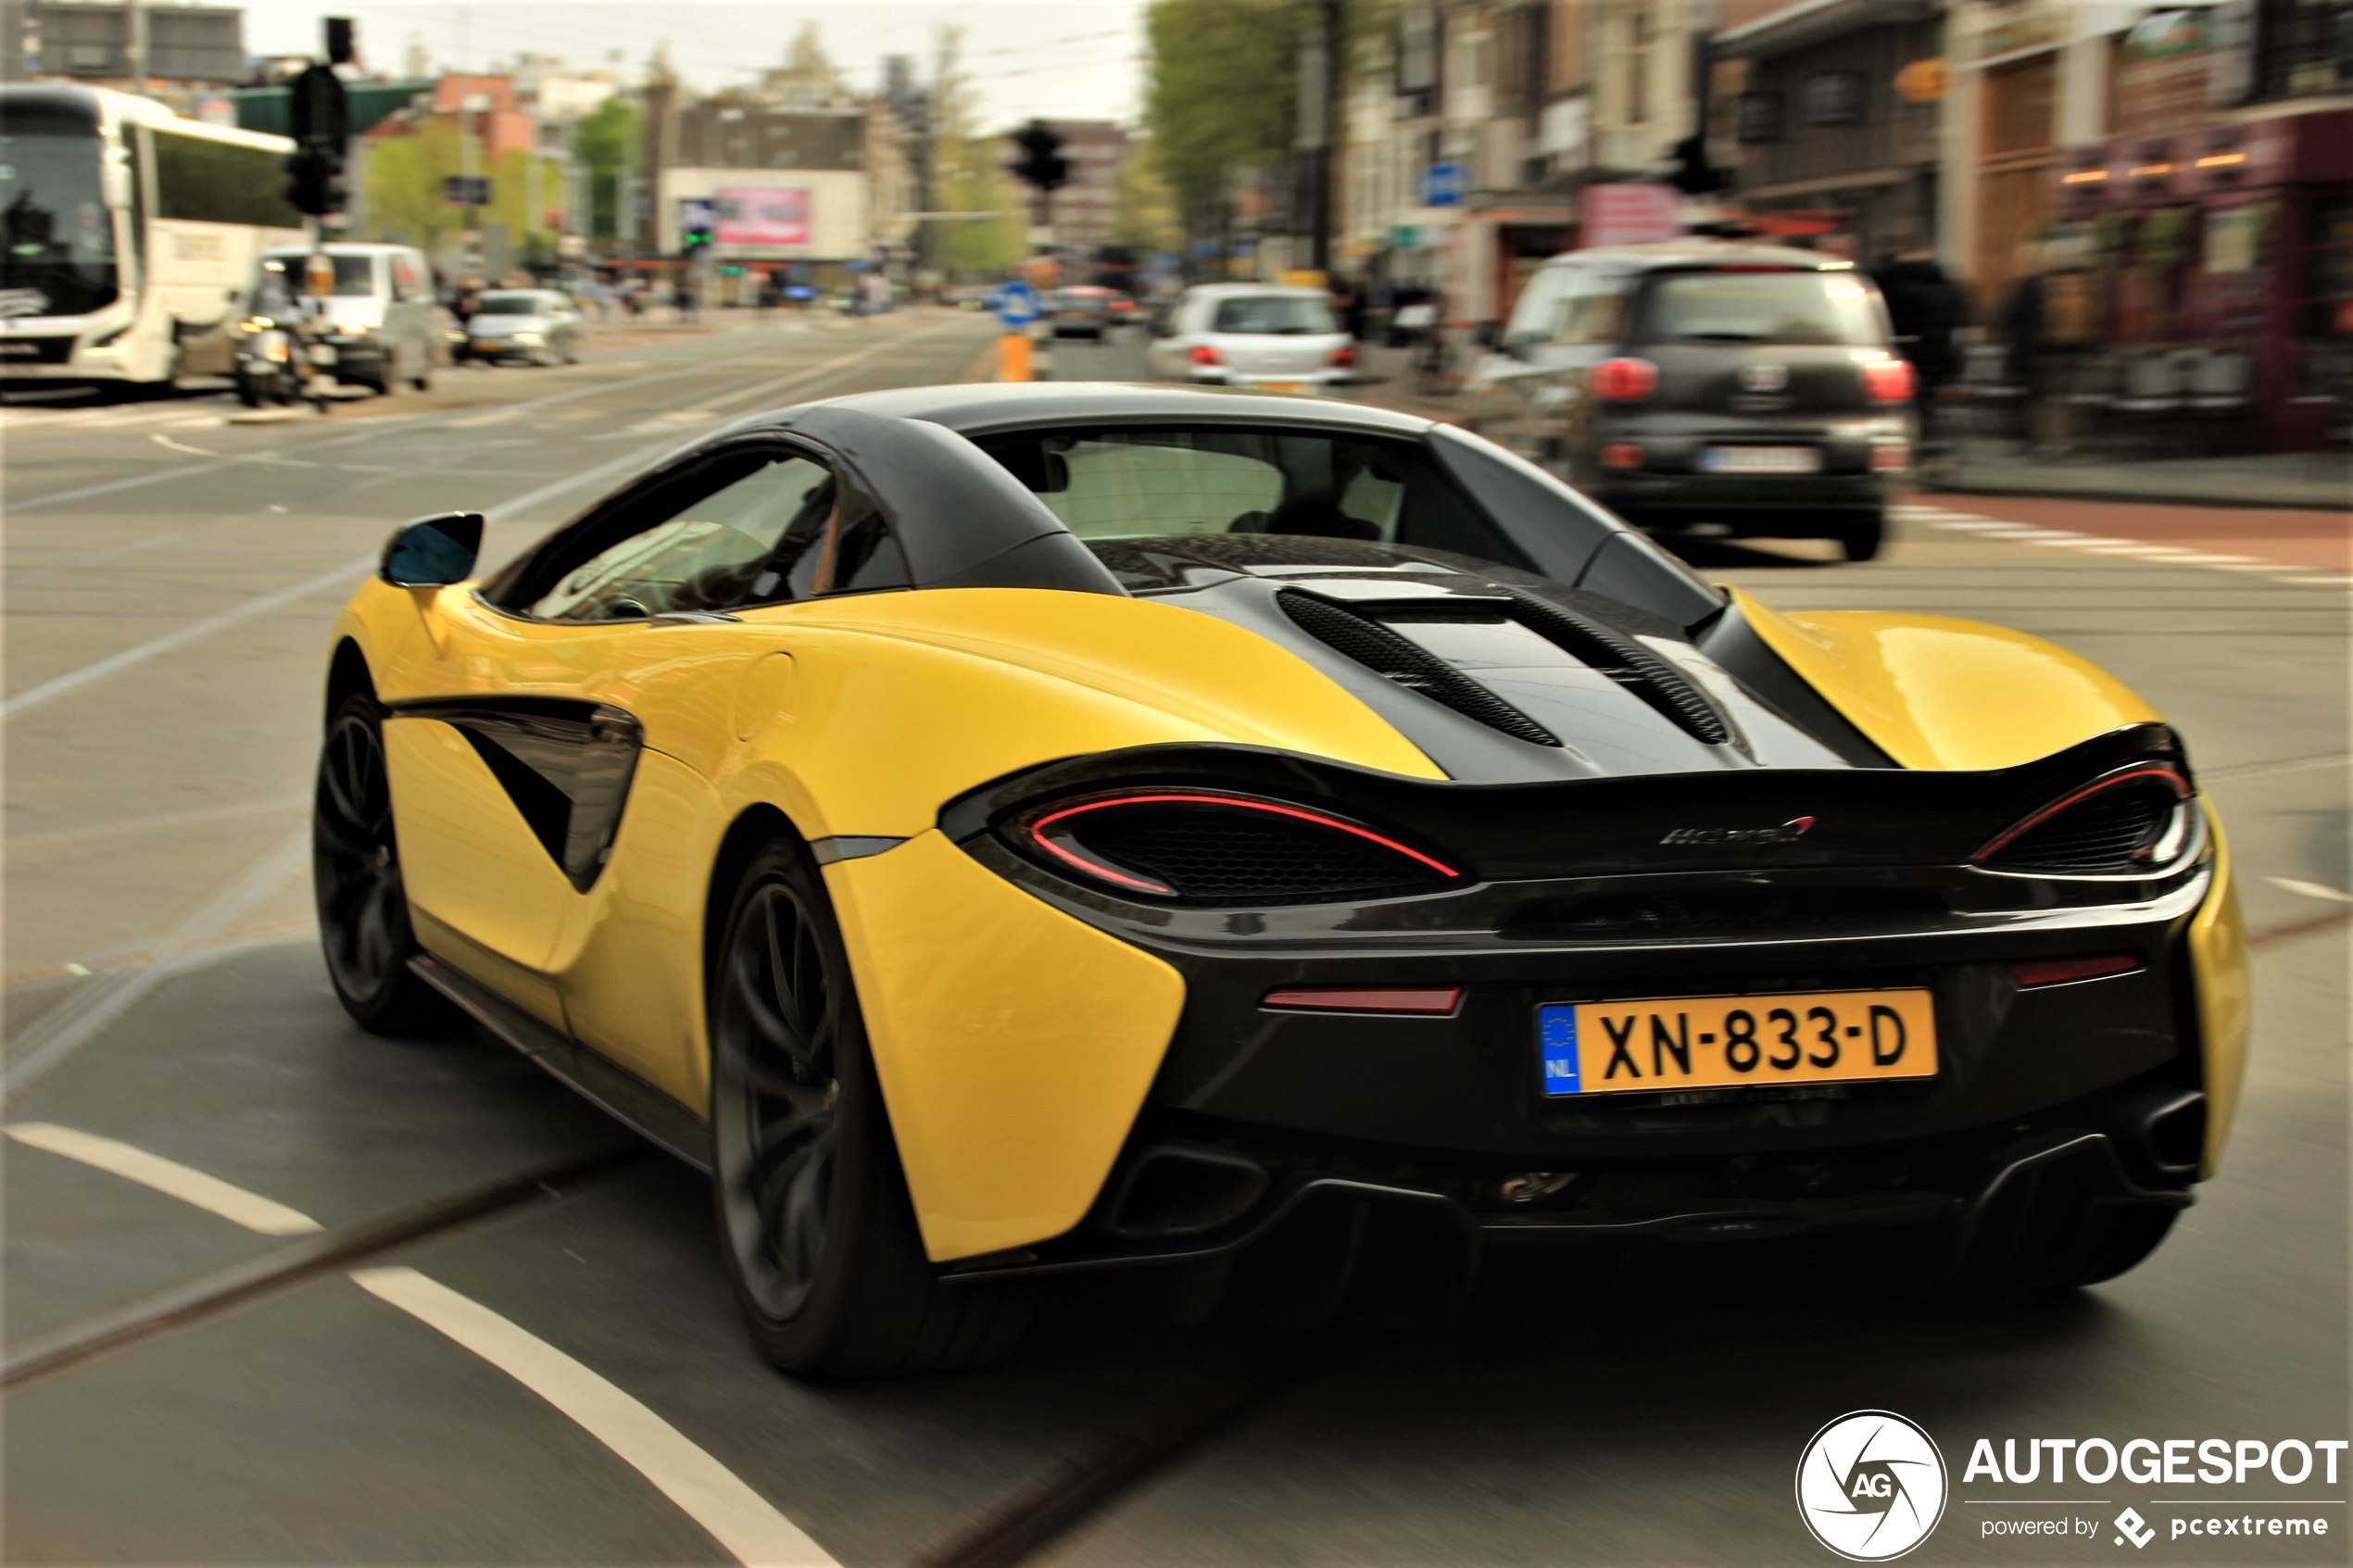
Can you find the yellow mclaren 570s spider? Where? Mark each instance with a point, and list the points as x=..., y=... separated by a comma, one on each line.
x=1005, y=831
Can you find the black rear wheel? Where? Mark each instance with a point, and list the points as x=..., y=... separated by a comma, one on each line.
x=814, y=1221
x=354, y=860
x=1859, y=535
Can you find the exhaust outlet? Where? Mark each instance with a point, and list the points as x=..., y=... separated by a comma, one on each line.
x=1175, y=1189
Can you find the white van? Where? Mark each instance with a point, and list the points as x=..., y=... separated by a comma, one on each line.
x=381, y=314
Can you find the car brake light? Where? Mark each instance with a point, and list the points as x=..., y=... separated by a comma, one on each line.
x=1204, y=354
x=1622, y=455
x=1341, y=359
x=2059, y=972
x=1888, y=381
x=1624, y=380
x=1423, y=999
x=1189, y=844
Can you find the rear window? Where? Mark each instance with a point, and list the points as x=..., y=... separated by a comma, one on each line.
x=510, y=305
x=1275, y=313
x=1778, y=308
x=355, y=275
x=1128, y=484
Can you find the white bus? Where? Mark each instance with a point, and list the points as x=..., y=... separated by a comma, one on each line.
x=128, y=235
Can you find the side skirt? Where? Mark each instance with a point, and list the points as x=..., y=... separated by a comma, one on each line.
x=622, y=1094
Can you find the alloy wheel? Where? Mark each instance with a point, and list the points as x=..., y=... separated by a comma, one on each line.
x=363, y=909
x=777, y=1091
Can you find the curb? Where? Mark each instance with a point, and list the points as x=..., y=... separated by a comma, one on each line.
x=2141, y=498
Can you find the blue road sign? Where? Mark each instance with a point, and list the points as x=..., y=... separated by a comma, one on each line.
x=1444, y=184
x=1016, y=305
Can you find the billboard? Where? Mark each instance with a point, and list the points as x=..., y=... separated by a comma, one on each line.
x=762, y=215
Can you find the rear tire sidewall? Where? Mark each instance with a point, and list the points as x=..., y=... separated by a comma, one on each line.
x=870, y=1240
x=1860, y=534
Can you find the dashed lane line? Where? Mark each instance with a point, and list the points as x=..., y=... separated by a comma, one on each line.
x=744, y=1524
x=167, y=1176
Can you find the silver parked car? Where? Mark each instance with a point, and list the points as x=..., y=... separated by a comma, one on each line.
x=379, y=322
x=538, y=326
x=1264, y=335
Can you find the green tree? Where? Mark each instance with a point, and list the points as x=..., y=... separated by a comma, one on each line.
x=968, y=175
x=405, y=198
x=604, y=141
x=1220, y=94
x=1145, y=213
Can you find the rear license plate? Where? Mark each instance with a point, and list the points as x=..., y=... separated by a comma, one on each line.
x=1291, y=386
x=323, y=354
x=1760, y=459
x=1661, y=1044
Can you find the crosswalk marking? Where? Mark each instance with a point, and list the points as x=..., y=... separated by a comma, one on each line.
x=1997, y=531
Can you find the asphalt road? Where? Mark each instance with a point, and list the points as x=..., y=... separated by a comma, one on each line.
x=169, y=580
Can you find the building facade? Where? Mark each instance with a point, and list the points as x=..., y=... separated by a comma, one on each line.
x=1086, y=209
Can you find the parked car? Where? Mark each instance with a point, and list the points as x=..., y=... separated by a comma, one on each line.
x=1750, y=386
x=538, y=326
x=378, y=322
x=1261, y=335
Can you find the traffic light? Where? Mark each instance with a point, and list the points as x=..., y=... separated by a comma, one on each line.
x=314, y=181
x=697, y=238
x=1694, y=175
x=321, y=123
x=1041, y=164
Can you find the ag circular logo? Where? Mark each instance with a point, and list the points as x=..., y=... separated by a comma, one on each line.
x=1871, y=1485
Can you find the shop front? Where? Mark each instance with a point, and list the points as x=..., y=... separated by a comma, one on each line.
x=2231, y=246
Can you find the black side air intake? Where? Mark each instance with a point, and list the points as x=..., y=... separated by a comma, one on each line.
x=1409, y=664
x=1626, y=661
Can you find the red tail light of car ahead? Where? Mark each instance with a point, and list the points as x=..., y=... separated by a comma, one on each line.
x=1888, y=381
x=1224, y=848
x=1204, y=354
x=1624, y=380
x=1622, y=455
x=1342, y=359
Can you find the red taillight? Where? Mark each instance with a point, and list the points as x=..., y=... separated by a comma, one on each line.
x=1888, y=381
x=2059, y=972
x=1342, y=359
x=1195, y=858
x=2101, y=829
x=1422, y=999
x=1622, y=455
x=1204, y=354
x=1623, y=380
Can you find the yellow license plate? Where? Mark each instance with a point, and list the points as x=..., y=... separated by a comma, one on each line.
x=1292, y=386
x=1658, y=1044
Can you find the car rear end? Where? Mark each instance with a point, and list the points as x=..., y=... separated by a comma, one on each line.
x=1282, y=339
x=1079, y=313
x=1764, y=396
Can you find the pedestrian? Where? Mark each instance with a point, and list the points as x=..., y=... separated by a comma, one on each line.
x=1924, y=307
x=682, y=294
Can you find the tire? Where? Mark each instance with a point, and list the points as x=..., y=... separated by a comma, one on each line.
x=363, y=908
x=1859, y=535
x=815, y=1227
x=247, y=392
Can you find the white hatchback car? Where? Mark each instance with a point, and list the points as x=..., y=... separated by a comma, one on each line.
x=1264, y=335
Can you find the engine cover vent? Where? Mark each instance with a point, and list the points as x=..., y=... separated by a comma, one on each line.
x=1386, y=653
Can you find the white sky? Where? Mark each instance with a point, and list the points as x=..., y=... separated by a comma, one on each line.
x=1067, y=59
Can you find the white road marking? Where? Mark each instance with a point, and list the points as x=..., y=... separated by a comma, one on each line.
x=162, y=440
x=156, y=823
x=2311, y=889
x=739, y=1519
x=2262, y=770
x=2156, y=555
x=167, y=1176
x=2202, y=558
x=744, y=1524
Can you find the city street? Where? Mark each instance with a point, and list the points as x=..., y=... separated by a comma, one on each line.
x=276, y=1365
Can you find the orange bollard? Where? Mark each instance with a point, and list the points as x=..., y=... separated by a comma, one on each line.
x=1012, y=357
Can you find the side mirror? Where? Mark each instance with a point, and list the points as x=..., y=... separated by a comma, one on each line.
x=432, y=552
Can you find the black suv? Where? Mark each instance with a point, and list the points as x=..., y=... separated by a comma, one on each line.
x=1699, y=382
